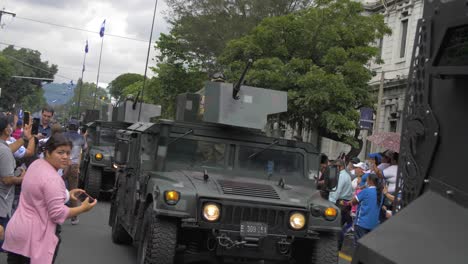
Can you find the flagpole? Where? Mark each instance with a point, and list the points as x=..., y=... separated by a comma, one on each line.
x=99, y=68
x=82, y=82
x=147, y=59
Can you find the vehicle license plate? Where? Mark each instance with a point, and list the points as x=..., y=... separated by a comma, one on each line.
x=253, y=229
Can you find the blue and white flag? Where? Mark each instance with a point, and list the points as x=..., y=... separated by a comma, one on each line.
x=86, y=47
x=103, y=28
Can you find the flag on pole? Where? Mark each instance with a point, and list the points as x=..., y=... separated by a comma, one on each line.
x=86, y=47
x=103, y=28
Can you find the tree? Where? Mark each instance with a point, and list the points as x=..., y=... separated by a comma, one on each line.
x=118, y=84
x=318, y=56
x=203, y=27
x=87, y=98
x=25, y=92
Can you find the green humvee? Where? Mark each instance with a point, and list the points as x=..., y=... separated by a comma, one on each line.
x=190, y=191
x=96, y=169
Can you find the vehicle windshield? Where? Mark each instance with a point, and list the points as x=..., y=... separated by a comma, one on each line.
x=271, y=163
x=267, y=163
x=107, y=137
x=186, y=153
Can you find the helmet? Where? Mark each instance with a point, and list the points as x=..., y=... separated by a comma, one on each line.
x=218, y=77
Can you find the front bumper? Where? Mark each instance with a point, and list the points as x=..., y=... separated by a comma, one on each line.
x=271, y=247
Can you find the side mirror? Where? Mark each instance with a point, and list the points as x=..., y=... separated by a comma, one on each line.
x=331, y=176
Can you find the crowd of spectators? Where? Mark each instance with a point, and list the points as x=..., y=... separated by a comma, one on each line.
x=364, y=193
x=39, y=171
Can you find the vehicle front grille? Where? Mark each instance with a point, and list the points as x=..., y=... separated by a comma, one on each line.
x=235, y=214
x=248, y=189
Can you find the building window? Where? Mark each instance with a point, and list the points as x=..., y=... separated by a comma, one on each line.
x=404, y=33
x=393, y=126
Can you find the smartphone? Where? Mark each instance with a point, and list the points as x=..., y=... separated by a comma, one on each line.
x=82, y=197
x=26, y=117
x=35, y=126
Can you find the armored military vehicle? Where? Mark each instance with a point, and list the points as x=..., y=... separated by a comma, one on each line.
x=210, y=185
x=97, y=174
x=432, y=196
x=96, y=170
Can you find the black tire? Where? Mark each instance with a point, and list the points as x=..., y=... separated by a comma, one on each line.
x=158, y=240
x=93, y=181
x=325, y=249
x=119, y=234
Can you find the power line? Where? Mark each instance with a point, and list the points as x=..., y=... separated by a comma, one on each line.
x=35, y=67
x=79, y=29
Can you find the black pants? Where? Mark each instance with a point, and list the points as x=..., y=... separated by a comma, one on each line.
x=14, y=258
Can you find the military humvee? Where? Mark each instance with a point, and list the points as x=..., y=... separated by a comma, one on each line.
x=194, y=191
x=96, y=170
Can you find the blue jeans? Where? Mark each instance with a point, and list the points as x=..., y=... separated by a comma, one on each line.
x=3, y=222
x=358, y=233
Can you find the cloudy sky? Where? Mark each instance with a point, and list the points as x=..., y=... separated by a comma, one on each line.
x=65, y=47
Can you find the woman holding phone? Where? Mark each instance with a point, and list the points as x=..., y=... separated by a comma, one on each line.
x=31, y=234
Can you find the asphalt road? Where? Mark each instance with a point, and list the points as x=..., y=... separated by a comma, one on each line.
x=90, y=241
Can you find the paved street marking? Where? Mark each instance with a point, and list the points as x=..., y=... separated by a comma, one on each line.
x=345, y=257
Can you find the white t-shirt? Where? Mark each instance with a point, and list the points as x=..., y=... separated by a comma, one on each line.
x=20, y=152
x=390, y=175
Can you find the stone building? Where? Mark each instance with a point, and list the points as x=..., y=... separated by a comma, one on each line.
x=396, y=52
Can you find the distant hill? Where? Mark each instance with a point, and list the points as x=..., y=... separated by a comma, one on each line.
x=58, y=93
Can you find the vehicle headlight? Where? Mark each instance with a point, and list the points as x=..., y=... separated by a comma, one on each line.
x=98, y=156
x=211, y=212
x=297, y=221
x=330, y=213
x=171, y=197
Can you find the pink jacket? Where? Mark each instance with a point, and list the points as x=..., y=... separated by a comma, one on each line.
x=31, y=230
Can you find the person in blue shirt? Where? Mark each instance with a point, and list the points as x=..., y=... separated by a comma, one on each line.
x=367, y=215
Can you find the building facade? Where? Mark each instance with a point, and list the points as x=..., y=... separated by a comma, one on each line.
x=396, y=51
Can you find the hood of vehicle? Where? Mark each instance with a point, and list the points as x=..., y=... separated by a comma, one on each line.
x=219, y=186
x=105, y=150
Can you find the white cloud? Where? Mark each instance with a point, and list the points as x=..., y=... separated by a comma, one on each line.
x=65, y=47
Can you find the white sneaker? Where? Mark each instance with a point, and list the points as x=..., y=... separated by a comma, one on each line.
x=74, y=220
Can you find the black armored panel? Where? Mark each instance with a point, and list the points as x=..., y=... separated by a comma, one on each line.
x=215, y=104
x=430, y=226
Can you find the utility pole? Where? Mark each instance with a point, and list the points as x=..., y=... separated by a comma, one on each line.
x=379, y=107
x=6, y=13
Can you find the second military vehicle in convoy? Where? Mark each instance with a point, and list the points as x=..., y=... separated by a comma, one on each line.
x=211, y=186
x=97, y=174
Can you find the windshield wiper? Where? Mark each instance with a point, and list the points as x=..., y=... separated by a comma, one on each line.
x=275, y=142
x=181, y=136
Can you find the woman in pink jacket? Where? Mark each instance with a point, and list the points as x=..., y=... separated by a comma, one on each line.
x=30, y=236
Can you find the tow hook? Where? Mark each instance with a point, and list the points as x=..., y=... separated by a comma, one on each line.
x=228, y=243
x=284, y=246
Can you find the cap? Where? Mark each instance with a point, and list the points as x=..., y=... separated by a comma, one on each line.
x=364, y=179
x=377, y=156
x=73, y=122
x=361, y=165
x=355, y=160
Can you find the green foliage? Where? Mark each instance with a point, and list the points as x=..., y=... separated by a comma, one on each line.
x=117, y=86
x=24, y=92
x=201, y=28
x=172, y=80
x=318, y=56
x=87, y=100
